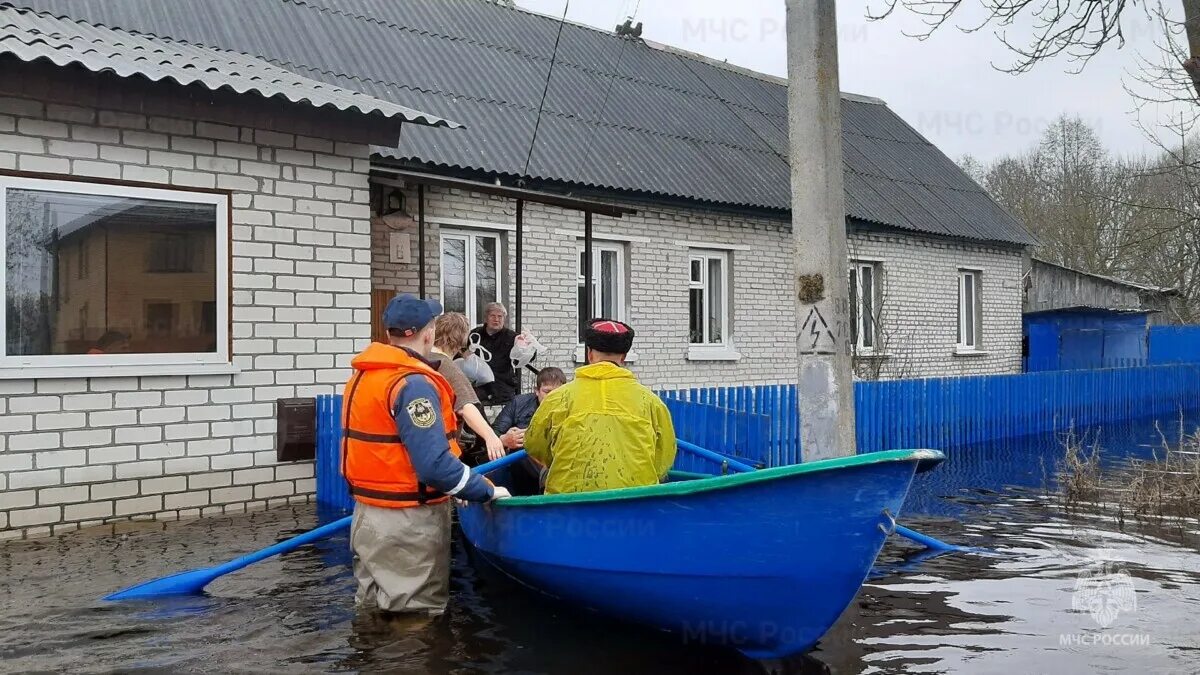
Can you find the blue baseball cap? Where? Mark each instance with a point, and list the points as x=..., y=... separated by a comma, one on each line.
x=409, y=314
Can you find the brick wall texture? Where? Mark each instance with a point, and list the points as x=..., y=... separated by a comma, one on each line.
x=919, y=276
x=82, y=451
x=305, y=256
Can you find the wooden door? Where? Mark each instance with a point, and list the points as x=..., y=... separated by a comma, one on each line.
x=379, y=299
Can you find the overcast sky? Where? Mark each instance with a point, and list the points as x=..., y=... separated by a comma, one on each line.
x=944, y=86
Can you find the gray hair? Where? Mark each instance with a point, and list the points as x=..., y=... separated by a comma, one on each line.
x=494, y=307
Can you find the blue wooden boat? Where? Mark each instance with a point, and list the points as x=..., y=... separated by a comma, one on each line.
x=764, y=562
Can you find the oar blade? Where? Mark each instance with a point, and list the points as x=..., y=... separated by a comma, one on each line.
x=183, y=583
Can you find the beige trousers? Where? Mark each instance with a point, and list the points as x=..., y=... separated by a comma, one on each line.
x=402, y=557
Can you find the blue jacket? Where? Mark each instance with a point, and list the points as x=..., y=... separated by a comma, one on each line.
x=430, y=451
x=517, y=413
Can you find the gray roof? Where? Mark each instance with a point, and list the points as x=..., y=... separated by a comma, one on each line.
x=1136, y=285
x=619, y=113
x=30, y=36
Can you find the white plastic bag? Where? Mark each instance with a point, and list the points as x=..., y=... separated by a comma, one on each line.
x=525, y=351
x=476, y=369
x=475, y=364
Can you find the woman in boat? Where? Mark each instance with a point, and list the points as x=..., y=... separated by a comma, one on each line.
x=603, y=430
x=450, y=340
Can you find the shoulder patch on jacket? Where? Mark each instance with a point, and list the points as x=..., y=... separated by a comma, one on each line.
x=421, y=413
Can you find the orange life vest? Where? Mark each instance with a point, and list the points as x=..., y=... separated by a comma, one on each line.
x=374, y=460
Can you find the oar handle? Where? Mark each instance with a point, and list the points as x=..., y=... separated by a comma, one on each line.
x=740, y=467
x=283, y=546
x=331, y=528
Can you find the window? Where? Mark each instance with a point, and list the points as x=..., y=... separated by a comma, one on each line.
x=160, y=319
x=708, y=298
x=173, y=253
x=471, y=272
x=968, y=310
x=54, y=231
x=864, y=295
x=608, y=284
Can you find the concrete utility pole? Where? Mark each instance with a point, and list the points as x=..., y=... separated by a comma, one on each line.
x=826, y=387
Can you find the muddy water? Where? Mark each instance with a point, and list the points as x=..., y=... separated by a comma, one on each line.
x=1012, y=612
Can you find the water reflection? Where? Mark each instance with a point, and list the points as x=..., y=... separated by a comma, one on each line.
x=1010, y=612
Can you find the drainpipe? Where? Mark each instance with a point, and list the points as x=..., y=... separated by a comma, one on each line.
x=825, y=386
x=421, y=238
x=520, y=264
x=517, y=310
x=587, y=265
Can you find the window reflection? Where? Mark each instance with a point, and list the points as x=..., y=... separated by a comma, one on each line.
x=93, y=274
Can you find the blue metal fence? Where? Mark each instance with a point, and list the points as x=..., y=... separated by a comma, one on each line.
x=723, y=424
x=760, y=425
x=331, y=489
x=1174, y=344
x=955, y=411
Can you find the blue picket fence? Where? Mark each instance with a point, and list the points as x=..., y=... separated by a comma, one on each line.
x=759, y=424
x=953, y=411
x=722, y=425
x=729, y=431
x=331, y=488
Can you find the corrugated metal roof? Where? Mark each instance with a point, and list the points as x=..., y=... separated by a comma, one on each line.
x=1137, y=285
x=29, y=36
x=619, y=114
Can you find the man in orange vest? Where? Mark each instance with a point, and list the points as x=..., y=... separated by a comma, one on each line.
x=400, y=456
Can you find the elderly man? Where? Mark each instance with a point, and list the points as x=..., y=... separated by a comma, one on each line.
x=496, y=337
x=400, y=456
x=603, y=430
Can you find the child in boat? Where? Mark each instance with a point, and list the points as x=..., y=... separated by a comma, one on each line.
x=603, y=430
x=514, y=419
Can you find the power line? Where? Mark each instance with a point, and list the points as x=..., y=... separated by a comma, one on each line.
x=549, y=72
x=587, y=152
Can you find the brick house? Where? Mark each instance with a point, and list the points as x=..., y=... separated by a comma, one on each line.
x=674, y=165
x=698, y=148
x=133, y=191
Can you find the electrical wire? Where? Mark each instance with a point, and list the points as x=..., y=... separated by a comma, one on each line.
x=549, y=73
x=587, y=151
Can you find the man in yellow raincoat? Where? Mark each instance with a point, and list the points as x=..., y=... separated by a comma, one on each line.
x=603, y=430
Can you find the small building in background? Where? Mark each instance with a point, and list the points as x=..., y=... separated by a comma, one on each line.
x=1076, y=320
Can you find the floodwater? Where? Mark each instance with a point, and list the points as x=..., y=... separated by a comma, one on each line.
x=1012, y=612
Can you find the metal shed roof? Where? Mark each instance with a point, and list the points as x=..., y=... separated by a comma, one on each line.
x=29, y=36
x=619, y=114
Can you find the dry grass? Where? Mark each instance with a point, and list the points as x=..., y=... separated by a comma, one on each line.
x=1163, y=490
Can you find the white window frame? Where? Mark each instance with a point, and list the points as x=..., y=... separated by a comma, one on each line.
x=622, y=281
x=114, y=365
x=469, y=263
x=865, y=325
x=707, y=350
x=618, y=250
x=969, y=343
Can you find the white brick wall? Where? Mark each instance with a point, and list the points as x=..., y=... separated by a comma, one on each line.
x=920, y=275
x=919, y=309
x=78, y=451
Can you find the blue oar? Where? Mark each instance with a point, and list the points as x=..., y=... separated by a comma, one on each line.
x=194, y=581
x=741, y=467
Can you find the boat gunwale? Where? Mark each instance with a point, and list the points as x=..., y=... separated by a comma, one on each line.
x=716, y=483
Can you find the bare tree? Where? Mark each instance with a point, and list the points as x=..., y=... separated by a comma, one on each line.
x=1134, y=218
x=1075, y=29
